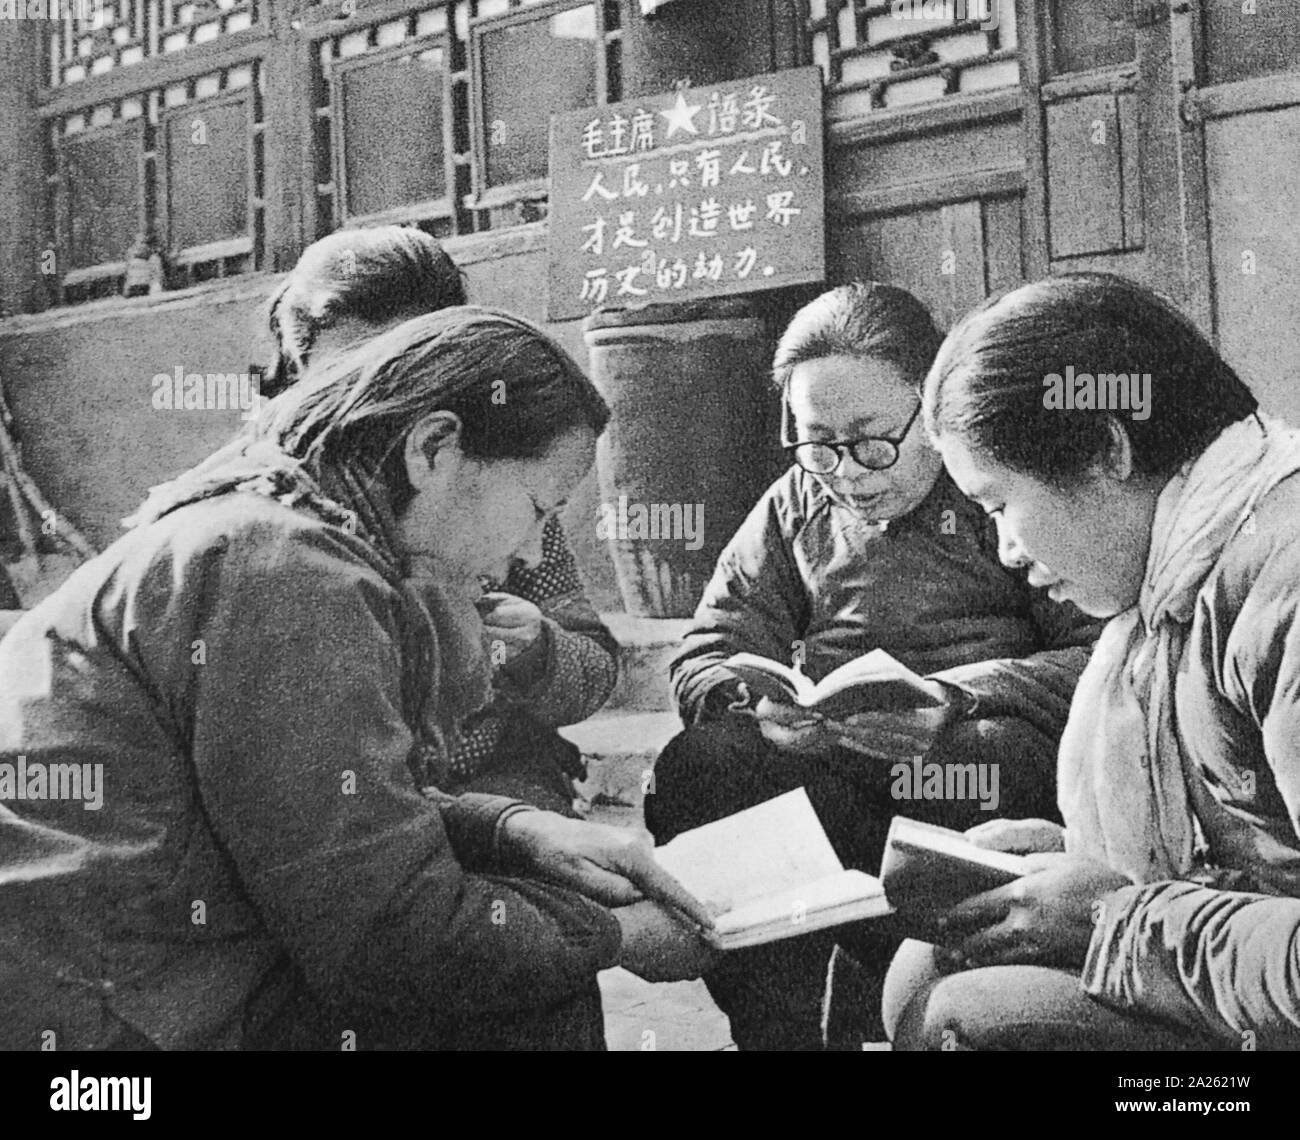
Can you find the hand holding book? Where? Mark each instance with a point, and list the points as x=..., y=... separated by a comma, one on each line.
x=985, y=904
x=793, y=729
x=896, y=734
x=658, y=946
x=1018, y=836
x=771, y=873
x=1046, y=918
x=873, y=705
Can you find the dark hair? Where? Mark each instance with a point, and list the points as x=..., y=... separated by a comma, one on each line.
x=868, y=320
x=987, y=385
x=513, y=387
x=371, y=274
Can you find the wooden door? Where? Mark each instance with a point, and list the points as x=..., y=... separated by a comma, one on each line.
x=1237, y=65
x=1164, y=143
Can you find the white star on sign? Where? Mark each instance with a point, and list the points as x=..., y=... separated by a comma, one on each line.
x=680, y=117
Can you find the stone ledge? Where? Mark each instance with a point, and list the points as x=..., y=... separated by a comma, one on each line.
x=631, y=630
x=621, y=748
x=646, y=648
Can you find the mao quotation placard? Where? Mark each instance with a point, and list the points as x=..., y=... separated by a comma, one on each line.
x=699, y=193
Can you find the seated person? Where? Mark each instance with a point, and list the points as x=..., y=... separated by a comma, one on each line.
x=863, y=543
x=249, y=698
x=554, y=662
x=1166, y=913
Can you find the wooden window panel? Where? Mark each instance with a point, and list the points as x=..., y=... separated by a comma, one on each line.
x=875, y=59
x=208, y=182
x=1084, y=169
x=1095, y=33
x=100, y=172
x=1003, y=243
x=530, y=65
x=117, y=34
x=391, y=132
x=1242, y=46
x=1133, y=200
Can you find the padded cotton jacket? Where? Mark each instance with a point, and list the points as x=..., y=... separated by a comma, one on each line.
x=236, y=668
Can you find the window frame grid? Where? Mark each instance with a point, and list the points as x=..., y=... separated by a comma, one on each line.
x=61, y=198
x=481, y=197
x=862, y=11
x=146, y=81
x=191, y=260
x=149, y=32
x=333, y=73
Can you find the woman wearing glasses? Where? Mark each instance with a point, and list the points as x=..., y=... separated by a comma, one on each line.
x=863, y=543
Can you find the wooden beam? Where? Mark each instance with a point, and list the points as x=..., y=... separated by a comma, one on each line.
x=1032, y=36
x=25, y=227
x=927, y=192
x=286, y=117
x=952, y=113
x=1263, y=94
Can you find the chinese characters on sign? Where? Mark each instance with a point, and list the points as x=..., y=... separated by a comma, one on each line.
x=704, y=192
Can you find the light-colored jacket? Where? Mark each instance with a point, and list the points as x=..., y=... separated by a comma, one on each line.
x=1195, y=793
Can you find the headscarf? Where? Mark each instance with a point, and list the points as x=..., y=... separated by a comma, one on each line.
x=1122, y=777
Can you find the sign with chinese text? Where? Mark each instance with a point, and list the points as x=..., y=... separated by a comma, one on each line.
x=704, y=192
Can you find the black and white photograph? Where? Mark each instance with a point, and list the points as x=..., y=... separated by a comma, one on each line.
x=553, y=526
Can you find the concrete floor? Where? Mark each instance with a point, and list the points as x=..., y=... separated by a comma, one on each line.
x=679, y=1016
x=668, y=1015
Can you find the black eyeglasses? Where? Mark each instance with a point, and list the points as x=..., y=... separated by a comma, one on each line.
x=821, y=457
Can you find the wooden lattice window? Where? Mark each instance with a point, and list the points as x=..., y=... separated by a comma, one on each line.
x=187, y=22
x=434, y=114
x=149, y=151
x=533, y=61
x=213, y=179
x=391, y=137
x=95, y=37
x=884, y=56
x=101, y=208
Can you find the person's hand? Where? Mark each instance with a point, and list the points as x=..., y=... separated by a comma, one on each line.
x=513, y=622
x=613, y=866
x=899, y=734
x=659, y=947
x=1019, y=836
x=1045, y=918
x=792, y=729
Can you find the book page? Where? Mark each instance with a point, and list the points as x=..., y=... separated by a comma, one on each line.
x=927, y=870
x=873, y=667
x=799, y=907
x=773, y=847
x=918, y=836
x=772, y=679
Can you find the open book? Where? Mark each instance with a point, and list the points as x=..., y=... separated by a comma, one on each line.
x=927, y=869
x=873, y=682
x=770, y=873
